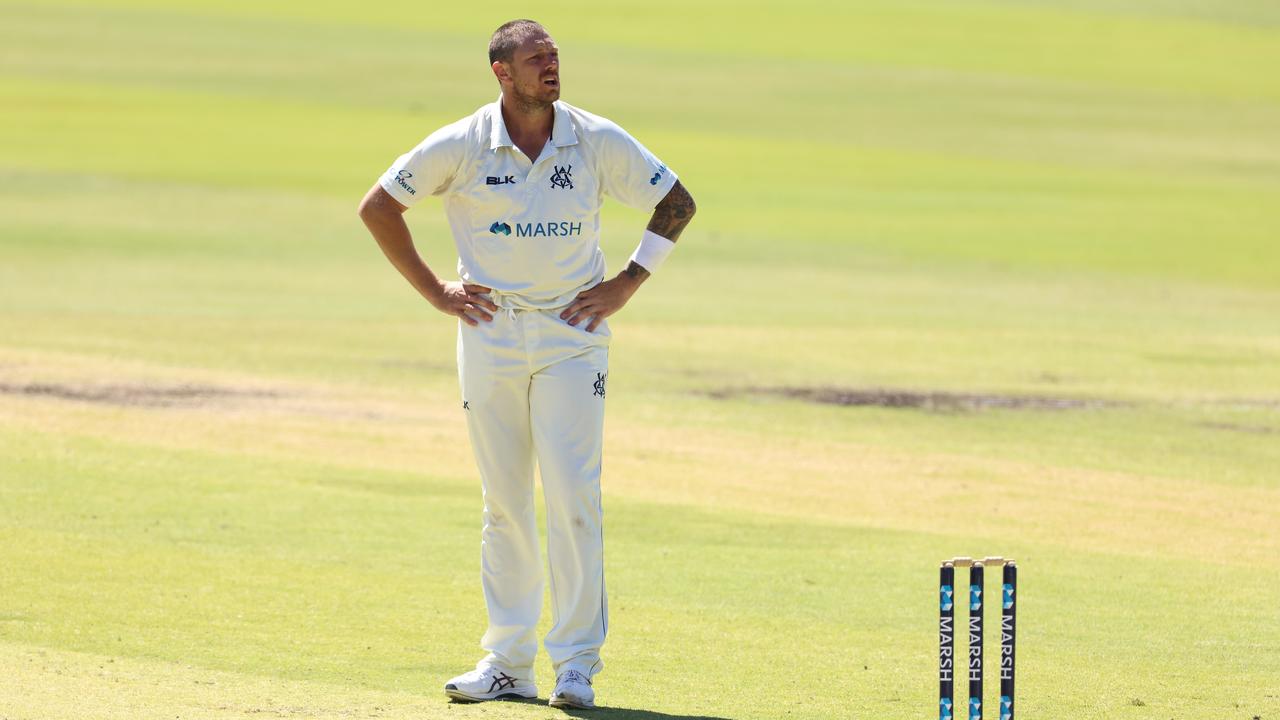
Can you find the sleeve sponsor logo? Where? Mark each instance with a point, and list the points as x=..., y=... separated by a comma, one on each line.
x=401, y=177
x=662, y=170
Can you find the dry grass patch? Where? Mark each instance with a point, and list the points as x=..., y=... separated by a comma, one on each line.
x=934, y=400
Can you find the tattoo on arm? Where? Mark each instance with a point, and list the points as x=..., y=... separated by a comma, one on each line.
x=635, y=271
x=672, y=214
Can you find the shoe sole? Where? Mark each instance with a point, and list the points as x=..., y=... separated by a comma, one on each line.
x=484, y=697
x=560, y=702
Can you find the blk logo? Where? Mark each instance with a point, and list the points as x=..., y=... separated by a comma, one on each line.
x=500, y=228
x=561, y=177
x=662, y=170
x=504, y=180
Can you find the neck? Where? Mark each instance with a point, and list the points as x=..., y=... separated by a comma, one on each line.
x=527, y=121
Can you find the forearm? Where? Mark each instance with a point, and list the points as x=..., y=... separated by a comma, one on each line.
x=633, y=271
x=387, y=225
x=670, y=218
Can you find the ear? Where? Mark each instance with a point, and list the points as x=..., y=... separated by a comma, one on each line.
x=500, y=71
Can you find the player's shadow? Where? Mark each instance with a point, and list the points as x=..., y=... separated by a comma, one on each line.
x=617, y=713
x=606, y=713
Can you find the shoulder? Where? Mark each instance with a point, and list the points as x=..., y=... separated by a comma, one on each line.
x=472, y=130
x=594, y=129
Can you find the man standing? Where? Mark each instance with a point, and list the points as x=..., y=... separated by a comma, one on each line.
x=522, y=181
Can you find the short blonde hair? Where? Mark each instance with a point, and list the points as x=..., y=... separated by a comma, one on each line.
x=505, y=40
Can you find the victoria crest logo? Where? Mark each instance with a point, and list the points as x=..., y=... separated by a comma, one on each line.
x=599, y=384
x=561, y=177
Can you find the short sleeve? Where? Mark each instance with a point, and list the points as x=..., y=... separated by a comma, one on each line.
x=632, y=174
x=428, y=169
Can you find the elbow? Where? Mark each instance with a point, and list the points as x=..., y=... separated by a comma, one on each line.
x=683, y=200
x=679, y=203
x=685, y=207
x=371, y=209
x=377, y=206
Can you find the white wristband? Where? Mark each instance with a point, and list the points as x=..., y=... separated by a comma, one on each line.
x=653, y=249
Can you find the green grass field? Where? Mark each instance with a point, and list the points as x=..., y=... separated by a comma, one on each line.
x=234, y=477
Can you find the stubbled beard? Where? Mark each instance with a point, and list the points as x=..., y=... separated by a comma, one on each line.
x=530, y=103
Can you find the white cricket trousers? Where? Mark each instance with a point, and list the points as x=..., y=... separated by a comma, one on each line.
x=533, y=388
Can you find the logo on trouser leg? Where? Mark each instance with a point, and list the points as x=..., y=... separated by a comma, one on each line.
x=599, y=384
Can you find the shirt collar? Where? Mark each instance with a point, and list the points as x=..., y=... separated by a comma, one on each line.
x=562, y=130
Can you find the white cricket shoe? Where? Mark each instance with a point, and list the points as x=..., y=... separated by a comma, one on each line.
x=488, y=683
x=573, y=690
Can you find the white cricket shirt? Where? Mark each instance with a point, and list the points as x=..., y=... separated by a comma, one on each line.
x=530, y=230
